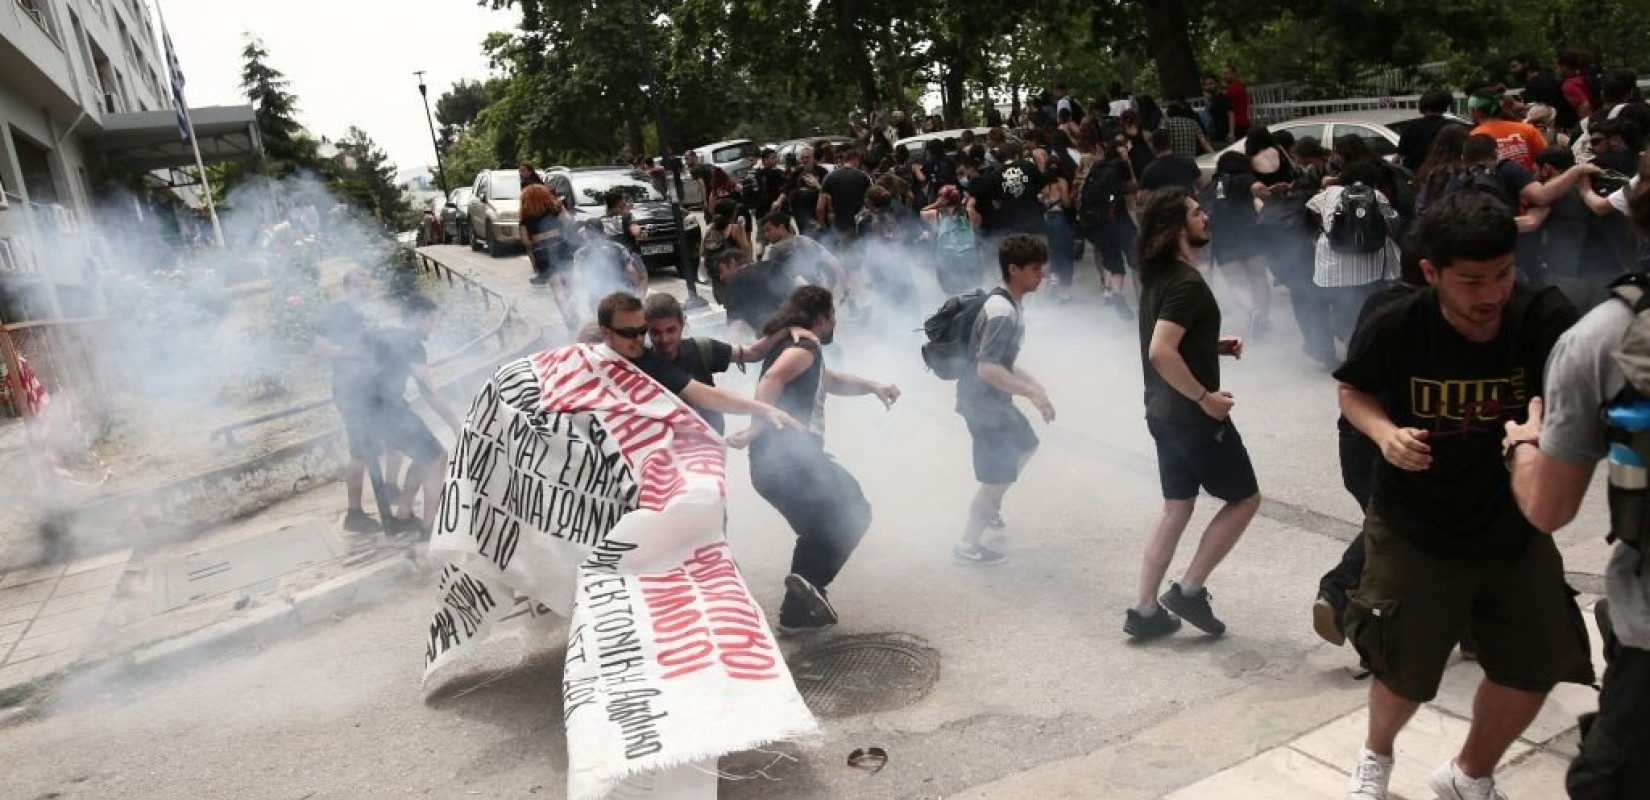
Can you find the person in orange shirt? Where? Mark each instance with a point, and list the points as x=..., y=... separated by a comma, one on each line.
x=1514, y=140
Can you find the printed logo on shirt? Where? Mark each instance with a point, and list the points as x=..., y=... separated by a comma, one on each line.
x=1512, y=147
x=1489, y=400
x=1015, y=182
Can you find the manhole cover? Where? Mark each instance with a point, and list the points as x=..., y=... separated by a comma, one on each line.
x=249, y=562
x=864, y=674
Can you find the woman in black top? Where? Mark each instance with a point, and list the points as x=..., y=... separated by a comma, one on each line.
x=546, y=227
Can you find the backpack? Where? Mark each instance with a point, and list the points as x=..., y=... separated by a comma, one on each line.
x=1223, y=202
x=956, y=236
x=1357, y=226
x=1625, y=415
x=1101, y=190
x=1480, y=178
x=948, y=351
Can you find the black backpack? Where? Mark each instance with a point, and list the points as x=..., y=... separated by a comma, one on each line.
x=1480, y=178
x=1102, y=189
x=1223, y=202
x=1358, y=226
x=948, y=351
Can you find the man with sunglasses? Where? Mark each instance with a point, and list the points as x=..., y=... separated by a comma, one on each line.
x=623, y=327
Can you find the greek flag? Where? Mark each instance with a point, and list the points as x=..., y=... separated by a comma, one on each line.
x=176, y=70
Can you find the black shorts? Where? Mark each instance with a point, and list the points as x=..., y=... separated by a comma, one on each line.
x=1114, y=241
x=1205, y=453
x=1411, y=607
x=398, y=428
x=1000, y=446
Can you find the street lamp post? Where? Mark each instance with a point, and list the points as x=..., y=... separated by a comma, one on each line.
x=440, y=171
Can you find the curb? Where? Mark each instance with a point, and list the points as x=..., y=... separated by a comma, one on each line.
x=323, y=602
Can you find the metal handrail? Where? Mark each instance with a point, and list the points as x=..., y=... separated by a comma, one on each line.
x=227, y=432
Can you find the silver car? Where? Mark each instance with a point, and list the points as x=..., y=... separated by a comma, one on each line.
x=735, y=157
x=455, y=216
x=495, y=211
x=1379, y=127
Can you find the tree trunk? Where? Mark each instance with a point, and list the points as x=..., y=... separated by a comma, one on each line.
x=1168, y=36
x=859, y=61
x=953, y=88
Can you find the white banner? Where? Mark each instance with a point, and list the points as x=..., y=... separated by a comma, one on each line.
x=583, y=485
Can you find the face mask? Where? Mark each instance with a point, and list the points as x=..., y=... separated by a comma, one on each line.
x=963, y=182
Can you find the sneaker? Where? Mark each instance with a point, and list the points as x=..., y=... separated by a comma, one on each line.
x=1450, y=784
x=1371, y=776
x=410, y=525
x=978, y=554
x=793, y=631
x=1326, y=620
x=1141, y=627
x=1469, y=649
x=996, y=522
x=357, y=521
x=812, y=597
x=1193, y=608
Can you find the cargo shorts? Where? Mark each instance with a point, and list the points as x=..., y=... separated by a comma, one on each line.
x=1413, y=606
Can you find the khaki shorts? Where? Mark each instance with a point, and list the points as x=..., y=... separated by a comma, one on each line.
x=1413, y=607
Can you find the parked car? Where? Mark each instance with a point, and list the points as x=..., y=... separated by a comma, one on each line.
x=455, y=217
x=1379, y=127
x=735, y=157
x=661, y=241
x=495, y=211
x=949, y=138
x=792, y=146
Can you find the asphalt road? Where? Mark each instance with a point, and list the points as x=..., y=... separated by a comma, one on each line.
x=1034, y=663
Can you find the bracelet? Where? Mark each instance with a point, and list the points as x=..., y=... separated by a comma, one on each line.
x=1512, y=449
x=1200, y=397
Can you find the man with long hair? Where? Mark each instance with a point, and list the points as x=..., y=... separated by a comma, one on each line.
x=1188, y=415
x=790, y=468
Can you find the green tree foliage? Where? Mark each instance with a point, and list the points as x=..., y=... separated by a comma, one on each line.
x=363, y=176
x=457, y=108
x=286, y=146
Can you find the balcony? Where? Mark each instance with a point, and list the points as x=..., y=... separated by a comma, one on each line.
x=38, y=13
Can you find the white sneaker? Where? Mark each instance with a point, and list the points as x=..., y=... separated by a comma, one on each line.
x=1449, y=783
x=1370, y=777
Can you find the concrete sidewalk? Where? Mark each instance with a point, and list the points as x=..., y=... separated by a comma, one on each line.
x=124, y=608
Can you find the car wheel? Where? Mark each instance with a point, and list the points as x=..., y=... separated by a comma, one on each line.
x=492, y=243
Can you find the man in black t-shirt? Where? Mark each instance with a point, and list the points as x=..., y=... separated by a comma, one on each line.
x=802, y=191
x=752, y=292
x=1168, y=169
x=343, y=339
x=1021, y=183
x=842, y=196
x=701, y=358
x=1415, y=141
x=1219, y=107
x=1432, y=379
x=1189, y=417
x=398, y=355
x=623, y=327
x=790, y=468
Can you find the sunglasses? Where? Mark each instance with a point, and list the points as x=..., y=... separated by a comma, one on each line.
x=629, y=333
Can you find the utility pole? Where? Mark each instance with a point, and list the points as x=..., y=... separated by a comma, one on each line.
x=440, y=171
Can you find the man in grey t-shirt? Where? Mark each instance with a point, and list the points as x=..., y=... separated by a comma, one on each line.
x=1003, y=439
x=1550, y=477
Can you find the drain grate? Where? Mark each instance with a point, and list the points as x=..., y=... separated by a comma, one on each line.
x=864, y=674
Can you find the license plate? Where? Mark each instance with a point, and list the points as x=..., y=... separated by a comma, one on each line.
x=657, y=249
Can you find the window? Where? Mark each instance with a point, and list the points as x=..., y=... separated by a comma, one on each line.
x=1377, y=141
x=592, y=190
x=505, y=186
x=42, y=16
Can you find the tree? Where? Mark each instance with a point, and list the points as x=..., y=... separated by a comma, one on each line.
x=457, y=108
x=363, y=176
x=286, y=146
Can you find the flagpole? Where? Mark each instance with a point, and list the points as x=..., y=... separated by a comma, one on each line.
x=194, y=144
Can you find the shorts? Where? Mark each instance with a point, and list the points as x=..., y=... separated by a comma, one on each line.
x=1000, y=447
x=1113, y=242
x=398, y=428
x=1207, y=454
x=357, y=426
x=1412, y=607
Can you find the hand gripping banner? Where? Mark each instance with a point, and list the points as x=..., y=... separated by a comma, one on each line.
x=583, y=485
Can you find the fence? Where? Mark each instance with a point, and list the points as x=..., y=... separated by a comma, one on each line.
x=68, y=356
x=1276, y=112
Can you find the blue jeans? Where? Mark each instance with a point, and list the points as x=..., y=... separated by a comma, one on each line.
x=1060, y=239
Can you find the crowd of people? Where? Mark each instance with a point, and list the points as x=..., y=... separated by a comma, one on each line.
x=1442, y=288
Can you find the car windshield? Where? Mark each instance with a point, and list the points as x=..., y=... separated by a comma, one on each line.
x=505, y=186
x=592, y=190
x=724, y=155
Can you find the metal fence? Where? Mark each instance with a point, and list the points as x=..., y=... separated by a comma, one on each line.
x=68, y=357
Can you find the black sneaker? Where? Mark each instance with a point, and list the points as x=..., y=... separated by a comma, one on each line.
x=801, y=629
x=1326, y=619
x=1140, y=627
x=812, y=598
x=410, y=525
x=357, y=521
x=1193, y=608
x=1469, y=649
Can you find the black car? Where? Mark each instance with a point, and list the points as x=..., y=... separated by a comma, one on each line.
x=661, y=242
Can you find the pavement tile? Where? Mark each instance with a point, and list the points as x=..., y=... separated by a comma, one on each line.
x=10, y=633
x=115, y=559
x=91, y=579
x=43, y=644
x=1538, y=777
x=1277, y=774
x=29, y=594
x=31, y=575
x=91, y=598
x=1567, y=702
x=17, y=614
x=1431, y=738
x=68, y=620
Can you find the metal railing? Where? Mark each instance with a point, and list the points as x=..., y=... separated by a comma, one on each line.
x=497, y=332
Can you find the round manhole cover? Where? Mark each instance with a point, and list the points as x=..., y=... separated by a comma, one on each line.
x=863, y=674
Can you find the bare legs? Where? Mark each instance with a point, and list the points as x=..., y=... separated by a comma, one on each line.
x=1218, y=539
